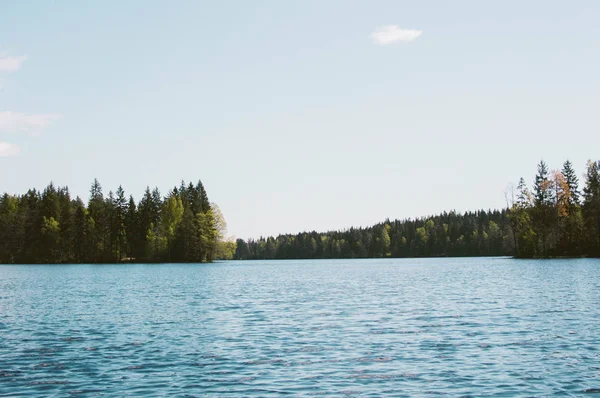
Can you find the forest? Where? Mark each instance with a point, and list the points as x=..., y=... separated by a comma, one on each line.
x=554, y=218
x=51, y=227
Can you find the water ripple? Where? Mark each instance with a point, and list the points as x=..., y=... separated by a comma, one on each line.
x=428, y=327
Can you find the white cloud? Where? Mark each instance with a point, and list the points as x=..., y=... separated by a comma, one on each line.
x=27, y=123
x=11, y=64
x=389, y=34
x=7, y=149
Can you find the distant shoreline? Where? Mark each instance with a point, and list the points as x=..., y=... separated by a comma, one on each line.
x=310, y=259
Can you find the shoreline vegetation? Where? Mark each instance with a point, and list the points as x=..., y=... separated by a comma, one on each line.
x=552, y=220
x=555, y=219
x=50, y=227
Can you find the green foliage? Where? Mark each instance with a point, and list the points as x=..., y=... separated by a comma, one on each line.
x=554, y=223
x=573, y=183
x=442, y=235
x=50, y=227
x=524, y=234
x=591, y=208
x=556, y=219
x=550, y=221
x=225, y=250
x=164, y=237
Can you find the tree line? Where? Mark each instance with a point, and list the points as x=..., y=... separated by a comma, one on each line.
x=481, y=233
x=554, y=219
x=51, y=227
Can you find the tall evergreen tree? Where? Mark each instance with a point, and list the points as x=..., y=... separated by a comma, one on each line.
x=119, y=227
x=132, y=228
x=49, y=222
x=543, y=216
x=81, y=246
x=98, y=221
x=204, y=203
x=523, y=195
x=572, y=181
x=187, y=239
x=67, y=224
x=542, y=186
x=47, y=226
x=591, y=207
x=172, y=214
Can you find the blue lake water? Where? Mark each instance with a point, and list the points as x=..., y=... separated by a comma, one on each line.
x=406, y=327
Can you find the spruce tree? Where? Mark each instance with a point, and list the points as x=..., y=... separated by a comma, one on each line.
x=542, y=186
x=131, y=228
x=146, y=216
x=49, y=227
x=572, y=234
x=97, y=215
x=543, y=214
x=523, y=196
x=591, y=208
x=81, y=238
x=204, y=203
x=119, y=228
x=572, y=181
x=67, y=221
x=111, y=227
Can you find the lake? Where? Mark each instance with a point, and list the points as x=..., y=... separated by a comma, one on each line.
x=390, y=327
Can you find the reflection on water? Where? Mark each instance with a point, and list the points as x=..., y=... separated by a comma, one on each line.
x=467, y=327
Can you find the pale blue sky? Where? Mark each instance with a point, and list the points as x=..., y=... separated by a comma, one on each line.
x=290, y=112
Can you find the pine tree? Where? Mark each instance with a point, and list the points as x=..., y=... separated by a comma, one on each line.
x=49, y=227
x=111, y=228
x=172, y=214
x=193, y=199
x=542, y=186
x=12, y=228
x=97, y=214
x=563, y=207
x=523, y=195
x=119, y=228
x=49, y=224
x=208, y=235
x=573, y=225
x=145, y=224
x=32, y=225
x=131, y=228
x=67, y=221
x=572, y=181
x=204, y=203
x=81, y=239
x=543, y=214
x=591, y=207
x=187, y=239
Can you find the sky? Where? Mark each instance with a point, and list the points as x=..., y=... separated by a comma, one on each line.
x=299, y=115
